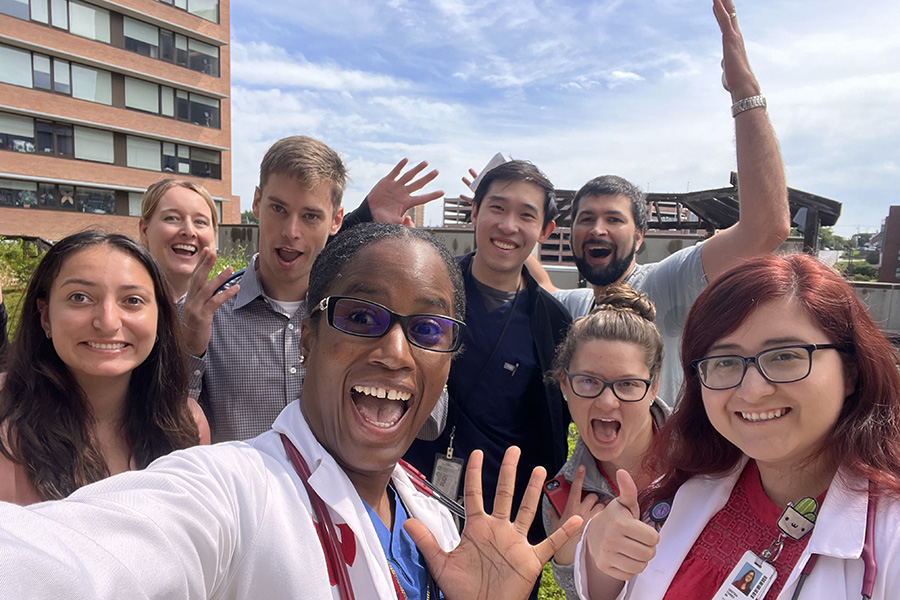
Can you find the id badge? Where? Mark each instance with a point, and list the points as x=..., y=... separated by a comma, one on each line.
x=751, y=578
x=447, y=475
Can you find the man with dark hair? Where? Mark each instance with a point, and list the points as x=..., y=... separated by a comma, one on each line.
x=609, y=219
x=498, y=397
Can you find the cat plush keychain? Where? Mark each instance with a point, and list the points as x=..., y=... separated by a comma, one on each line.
x=755, y=574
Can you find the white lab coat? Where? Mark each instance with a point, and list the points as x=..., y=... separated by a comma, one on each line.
x=230, y=521
x=838, y=538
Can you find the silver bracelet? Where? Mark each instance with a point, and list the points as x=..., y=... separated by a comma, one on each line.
x=748, y=104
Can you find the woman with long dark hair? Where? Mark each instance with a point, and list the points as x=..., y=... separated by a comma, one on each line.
x=96, y=383
x=788, y=425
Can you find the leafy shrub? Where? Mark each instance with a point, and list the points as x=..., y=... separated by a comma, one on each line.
x=18, y=260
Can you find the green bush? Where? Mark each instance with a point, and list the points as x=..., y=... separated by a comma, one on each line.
x=18, y=260
x=235, y=257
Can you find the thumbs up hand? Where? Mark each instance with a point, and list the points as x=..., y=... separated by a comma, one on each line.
x=617, y=543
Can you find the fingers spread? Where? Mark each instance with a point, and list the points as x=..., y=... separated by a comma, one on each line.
x=530, y=500
x=546, y=549
x=425, y=542
x=473, y=495
x=506, y=483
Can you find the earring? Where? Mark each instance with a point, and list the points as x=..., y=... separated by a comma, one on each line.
x=566, y=398
x=302, y=359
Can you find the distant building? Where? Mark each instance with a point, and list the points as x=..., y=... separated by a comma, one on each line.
x=100, y=99
x=890, y=248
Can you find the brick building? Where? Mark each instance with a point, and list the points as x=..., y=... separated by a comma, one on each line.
x=99, y=99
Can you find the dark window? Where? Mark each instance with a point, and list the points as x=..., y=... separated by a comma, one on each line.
x=166, y=45
x=64, y=145
x=46, y=195
x=45, y=137
x=100, y=202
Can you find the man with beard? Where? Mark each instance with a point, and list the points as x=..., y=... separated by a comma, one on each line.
x=609, y=219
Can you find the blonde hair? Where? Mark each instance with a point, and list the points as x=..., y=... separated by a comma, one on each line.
x=622, y=314
x=308, y=160
x=156, y=191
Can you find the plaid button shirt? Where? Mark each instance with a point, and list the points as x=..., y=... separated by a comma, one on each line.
x=251, y=369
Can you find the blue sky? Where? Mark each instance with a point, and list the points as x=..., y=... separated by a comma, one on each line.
x=579, y=88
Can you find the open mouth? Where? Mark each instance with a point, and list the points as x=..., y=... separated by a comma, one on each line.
x=764, y=416
x=184, y=249
x=379, y=406
x=287, y=255
x=605, y=430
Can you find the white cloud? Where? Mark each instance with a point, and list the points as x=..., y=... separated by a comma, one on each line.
x=581, y=88
x=260, y=64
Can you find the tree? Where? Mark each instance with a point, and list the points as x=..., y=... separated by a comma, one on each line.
x=248, y=218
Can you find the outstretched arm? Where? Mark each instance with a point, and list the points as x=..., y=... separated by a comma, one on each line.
x=762, y=191
x=493, y=560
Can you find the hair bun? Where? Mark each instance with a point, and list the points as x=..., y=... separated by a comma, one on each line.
x=622, y=297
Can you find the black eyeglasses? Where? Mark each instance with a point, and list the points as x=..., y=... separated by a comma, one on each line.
x=785, y=364
x=626, y=390
x=368, y=319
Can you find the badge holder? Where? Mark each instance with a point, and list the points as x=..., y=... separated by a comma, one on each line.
x=448, y=470
x=754, y=574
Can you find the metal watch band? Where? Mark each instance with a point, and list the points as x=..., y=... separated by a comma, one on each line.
x=748, y=104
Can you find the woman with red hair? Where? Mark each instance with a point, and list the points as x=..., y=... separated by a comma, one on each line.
x=789, y=423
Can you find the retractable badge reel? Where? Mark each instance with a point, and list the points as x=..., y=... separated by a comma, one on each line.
x=754, y=574
x=448, y=470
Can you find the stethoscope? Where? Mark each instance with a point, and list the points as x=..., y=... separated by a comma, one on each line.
x=870, y=567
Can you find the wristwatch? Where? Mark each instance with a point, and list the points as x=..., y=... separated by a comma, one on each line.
x=748, y=104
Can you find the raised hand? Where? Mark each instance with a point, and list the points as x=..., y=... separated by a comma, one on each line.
x=202, y=301
x=737, y=76
x=474, y=175
x=393, y=195
x=616, y=541
x=585, y=508
x=493, y=560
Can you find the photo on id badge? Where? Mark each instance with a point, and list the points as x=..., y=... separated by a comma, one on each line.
x=751, y=578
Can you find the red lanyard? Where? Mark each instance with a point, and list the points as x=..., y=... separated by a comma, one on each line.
x=334, y=556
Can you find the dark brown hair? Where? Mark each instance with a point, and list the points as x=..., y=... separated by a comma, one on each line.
x=44, y=411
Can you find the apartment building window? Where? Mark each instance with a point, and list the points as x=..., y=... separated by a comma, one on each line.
x=16, y=66
x=142, y=38
x=176, y=160
x=203, y=58
x=59, y=13
x=166, y=101
x=134, y=204
x=16, y=133
x=94, y=144
x=18, y=194
x=141, y=95
x=143, y=153
x=88, y=21
x=91, y=84
x=96, y=201
x=205, y=9
x=14, y=8
x=54, y=138
x=205, y=163
x=41, y=72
